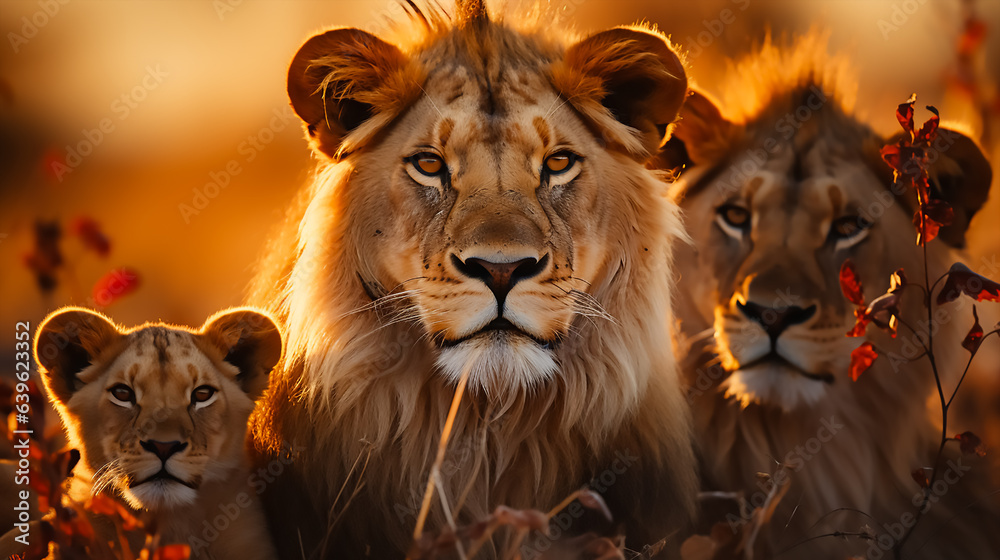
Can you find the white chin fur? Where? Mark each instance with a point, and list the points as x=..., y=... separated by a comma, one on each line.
x=159, y=495
x=500, y=361
x=773, y=386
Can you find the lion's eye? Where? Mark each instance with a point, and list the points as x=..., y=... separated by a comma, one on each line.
x=736, y=216
x=123, y=394
x=560, y=162
x=847, y=231
x=202, y=394
x=428, y=164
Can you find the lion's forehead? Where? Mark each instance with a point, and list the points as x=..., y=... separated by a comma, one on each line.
x=164, y=363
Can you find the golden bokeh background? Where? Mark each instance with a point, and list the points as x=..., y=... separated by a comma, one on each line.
x=204, y=86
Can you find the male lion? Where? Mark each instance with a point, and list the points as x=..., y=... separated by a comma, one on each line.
x=776, y=197
x=481, y=206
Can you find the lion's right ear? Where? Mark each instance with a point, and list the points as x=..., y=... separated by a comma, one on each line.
x=702, y=135
x=346, y=84
x=68, y=341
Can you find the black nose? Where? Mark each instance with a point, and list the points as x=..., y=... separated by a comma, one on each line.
x=163, y=449
x=500, y=277
x=775, y=319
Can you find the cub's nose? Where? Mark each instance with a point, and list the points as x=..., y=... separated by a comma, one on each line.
x=163, y=449
x=500, y=277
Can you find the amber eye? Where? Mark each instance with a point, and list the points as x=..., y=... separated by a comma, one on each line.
x=559, y=162
x=427, y=163
x=735, y=216
x=202, y=394
x=122, y=393
x=848, y=226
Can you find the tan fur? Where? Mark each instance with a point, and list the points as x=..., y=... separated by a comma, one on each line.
x=365, y=386
x=84, y=355
x=850, y=446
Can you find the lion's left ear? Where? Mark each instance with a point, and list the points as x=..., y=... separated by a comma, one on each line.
x=249, y=340
x=624, y=76
x=961, y=176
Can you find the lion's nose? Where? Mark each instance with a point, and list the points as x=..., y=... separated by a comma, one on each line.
x=163, y=449
x=775, y=319
x=500, y=277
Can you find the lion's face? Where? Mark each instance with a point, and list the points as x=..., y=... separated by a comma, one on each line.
x=157, y=412
x=489, y=206
x=487, y=213
x=773, y=217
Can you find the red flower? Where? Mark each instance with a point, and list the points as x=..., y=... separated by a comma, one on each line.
x=883, y=311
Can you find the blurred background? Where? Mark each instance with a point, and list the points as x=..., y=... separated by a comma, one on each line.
x=153, y=142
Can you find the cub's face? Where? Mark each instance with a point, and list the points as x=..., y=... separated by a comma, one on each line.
x=489, y=208
x=157, y=412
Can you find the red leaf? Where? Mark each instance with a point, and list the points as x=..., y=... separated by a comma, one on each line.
x=962, y=280
x=115, y=284
x=862, y=358
x=850, y=283
x=91, y=235
x=904, y=113
x=970, y=444
x=45, y=258
x=891, y=155
x=173, y=552
x=927, y=132
x=972, y=37
x=920, y=477
x=975, y=336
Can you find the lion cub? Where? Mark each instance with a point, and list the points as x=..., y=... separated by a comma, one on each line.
x=159, y=414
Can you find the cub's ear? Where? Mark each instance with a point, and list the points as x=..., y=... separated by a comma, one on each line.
x=346, y=84
x=67, y=342
x=624, y=76
x=960, y=174
x=702, y=135
x=249, y=340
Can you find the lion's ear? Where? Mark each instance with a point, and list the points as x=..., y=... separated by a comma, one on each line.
x=960, y=176
x=68, y=341
x=346, y=84
x=249, y=340
x=624, y=76
x=702, y=134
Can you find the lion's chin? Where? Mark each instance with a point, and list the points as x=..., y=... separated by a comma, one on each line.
x=773, y=384
x=498, y=361
x=160, y=494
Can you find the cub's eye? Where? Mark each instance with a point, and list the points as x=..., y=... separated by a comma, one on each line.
x=428, y=164
x=560, y=162
x=122, y=393
x=202, y=394
x=848, y=231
